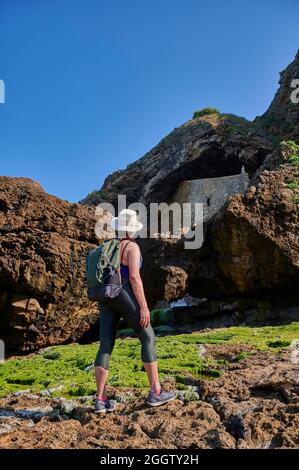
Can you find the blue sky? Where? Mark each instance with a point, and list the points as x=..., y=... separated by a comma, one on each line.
x=92, y=85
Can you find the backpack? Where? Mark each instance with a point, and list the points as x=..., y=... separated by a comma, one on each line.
x=103, y=276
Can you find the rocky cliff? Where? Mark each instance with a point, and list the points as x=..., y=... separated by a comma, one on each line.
x=282, y=117
x=43, y=245
x=211, y=145
x=251, y=245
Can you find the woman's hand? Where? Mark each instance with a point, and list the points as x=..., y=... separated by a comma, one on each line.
x=144, y=317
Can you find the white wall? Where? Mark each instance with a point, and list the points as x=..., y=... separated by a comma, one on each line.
x=212, y=192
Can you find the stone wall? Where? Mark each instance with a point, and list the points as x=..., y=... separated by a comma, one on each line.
x=212, y=192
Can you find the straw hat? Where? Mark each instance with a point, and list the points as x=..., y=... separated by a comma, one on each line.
x=126, y=221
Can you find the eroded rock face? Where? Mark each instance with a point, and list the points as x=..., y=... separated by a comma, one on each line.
x=282, y=116
x=251, y=247
x=254, y=245
x=43, y=246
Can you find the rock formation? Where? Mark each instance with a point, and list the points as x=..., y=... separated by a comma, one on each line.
x=282, y=117
x=251, y=245
x=43, y=245
x=210, y=146
x=254, y=247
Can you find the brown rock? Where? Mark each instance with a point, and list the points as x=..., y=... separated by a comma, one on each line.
x=43, y=245
x=250, y=248
x=255, y=240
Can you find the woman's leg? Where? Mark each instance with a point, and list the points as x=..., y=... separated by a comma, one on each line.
x=153, y=376
x=101, y=375
x=129, y=309
x=109, y=319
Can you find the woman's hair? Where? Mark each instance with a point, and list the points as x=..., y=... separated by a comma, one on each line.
x=122, y=233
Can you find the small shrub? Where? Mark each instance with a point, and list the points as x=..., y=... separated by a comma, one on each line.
x=294, y=156
x=190, y=394
x=211, y=372
x=205, y=112
x=80, y=390
x=296, y=199
x=82, y=363
x=97, y=194
x=241, y=356
x=52, y=355
x=21, y=380
x=278, y=344
x=294, y=160
x=45, y=383
x=293, y=185
x=293, y=145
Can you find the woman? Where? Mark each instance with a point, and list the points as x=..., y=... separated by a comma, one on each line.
x=131, y=305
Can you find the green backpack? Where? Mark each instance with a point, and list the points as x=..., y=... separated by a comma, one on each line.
x=103, y=276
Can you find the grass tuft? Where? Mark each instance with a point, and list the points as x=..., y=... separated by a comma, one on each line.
x=205, y=112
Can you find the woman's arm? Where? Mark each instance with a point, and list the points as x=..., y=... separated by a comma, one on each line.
x=136, y=283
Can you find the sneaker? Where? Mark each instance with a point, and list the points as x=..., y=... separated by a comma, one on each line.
x=156, y=400
x=99, y=406
x=110, y=405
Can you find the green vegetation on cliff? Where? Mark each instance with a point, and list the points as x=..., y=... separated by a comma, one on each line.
x=205, y=112
x=178, y=357
x=293, y=159
x=294, y=152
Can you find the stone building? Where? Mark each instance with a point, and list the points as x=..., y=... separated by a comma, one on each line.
x=212, y=192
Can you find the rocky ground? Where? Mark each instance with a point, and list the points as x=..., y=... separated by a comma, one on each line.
x=44, y=241
x=253, y=404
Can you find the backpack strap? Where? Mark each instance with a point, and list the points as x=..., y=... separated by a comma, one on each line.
x=124, y=250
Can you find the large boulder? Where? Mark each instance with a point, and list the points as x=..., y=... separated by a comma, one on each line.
x=43, y=244
x=252, y=247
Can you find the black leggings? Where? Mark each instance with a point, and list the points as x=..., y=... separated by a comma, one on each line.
x=124, y=306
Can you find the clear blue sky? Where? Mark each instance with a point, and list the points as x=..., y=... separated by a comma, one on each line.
x=91, y=85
